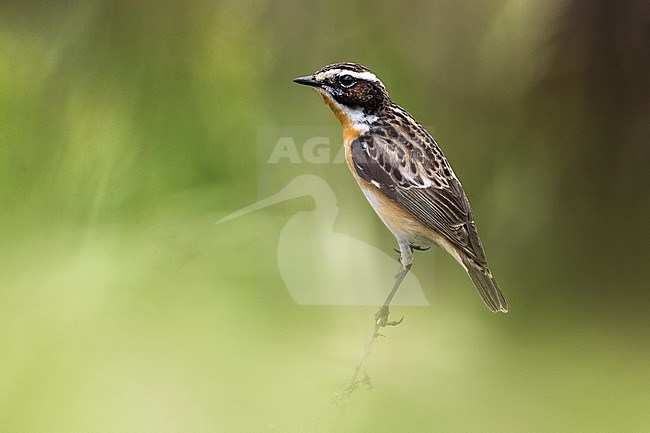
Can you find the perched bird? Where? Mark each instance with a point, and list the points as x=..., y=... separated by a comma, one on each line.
x=405, y=177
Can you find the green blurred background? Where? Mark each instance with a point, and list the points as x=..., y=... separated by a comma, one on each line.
x=128, y=128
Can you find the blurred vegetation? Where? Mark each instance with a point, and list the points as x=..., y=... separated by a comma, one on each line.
x=127, y=128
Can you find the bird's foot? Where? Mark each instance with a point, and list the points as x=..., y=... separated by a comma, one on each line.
x=381, y=318
x=414, y=248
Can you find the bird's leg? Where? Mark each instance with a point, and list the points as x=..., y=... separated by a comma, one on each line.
x=406, y=260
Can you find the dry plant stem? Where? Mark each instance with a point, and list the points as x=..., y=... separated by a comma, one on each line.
x=355, y=380
x=381, y=320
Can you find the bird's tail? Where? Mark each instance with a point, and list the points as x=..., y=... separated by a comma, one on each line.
x=486, y=286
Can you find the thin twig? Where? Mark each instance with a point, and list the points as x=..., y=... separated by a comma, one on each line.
x=355, y=381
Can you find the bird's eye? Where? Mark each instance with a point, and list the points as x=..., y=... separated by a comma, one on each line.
x=347, y=81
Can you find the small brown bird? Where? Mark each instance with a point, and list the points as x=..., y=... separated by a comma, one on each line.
x=405, y=177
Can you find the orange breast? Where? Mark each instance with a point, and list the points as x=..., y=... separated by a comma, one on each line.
x=349, y=133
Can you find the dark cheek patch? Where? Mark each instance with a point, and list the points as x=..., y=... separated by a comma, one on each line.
x=363, y=95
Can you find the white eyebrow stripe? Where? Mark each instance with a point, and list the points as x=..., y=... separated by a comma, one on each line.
x=367, y=75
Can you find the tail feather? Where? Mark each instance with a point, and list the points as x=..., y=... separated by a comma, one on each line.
x=486, y=286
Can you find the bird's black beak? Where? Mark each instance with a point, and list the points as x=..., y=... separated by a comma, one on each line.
x=307, y=81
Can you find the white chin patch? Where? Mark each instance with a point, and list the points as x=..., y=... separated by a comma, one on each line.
x=357, y=117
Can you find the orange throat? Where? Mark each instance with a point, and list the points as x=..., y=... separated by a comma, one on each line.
x=349, y=131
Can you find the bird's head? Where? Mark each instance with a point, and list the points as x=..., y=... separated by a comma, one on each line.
x=351, y=91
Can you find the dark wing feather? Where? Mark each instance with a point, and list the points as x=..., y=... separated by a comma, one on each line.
x=420, y=180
